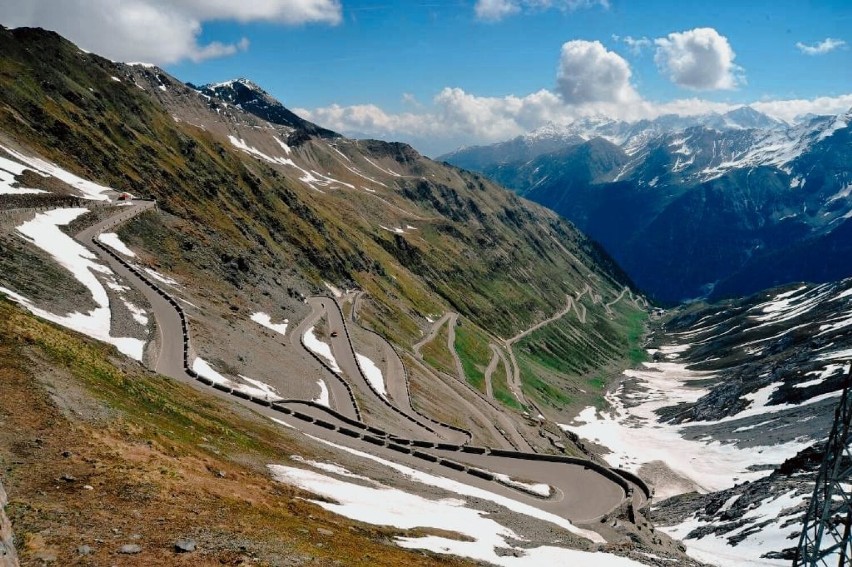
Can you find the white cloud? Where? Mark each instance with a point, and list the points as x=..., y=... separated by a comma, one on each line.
x=495, y=10
x=636, y=45
x=454, y=118
x=790, y=110
x=698, y=59
x=824, y=46
x=457, y=118
x=159, y=31
x=588, y=72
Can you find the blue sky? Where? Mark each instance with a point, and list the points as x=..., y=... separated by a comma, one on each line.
x=440, y=73
x=382, y=50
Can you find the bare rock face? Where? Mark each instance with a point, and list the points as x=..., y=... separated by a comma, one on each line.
x=8, y=556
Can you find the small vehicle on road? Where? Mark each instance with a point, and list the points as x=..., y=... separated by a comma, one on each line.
x=333, y=334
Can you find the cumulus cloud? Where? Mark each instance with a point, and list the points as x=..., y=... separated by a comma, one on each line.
x=588, y=72
x=824, y=46
x=699, y=59
x=454, y=118
x=495, y=10
x=159, y=31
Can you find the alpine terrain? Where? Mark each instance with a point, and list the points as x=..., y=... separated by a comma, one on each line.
x=231, y=336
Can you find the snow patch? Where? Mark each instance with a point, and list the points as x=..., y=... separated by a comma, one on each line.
x=716, y=549
x=112, y=240
x=323, y=398
x=373, y=374
x=321, y=349
x=470, y=491
x=379, y=504
x=266, y=321
x=160, y=277
x=634, y=436
x=88, y=189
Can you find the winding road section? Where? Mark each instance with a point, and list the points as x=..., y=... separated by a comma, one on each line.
x=583, y=491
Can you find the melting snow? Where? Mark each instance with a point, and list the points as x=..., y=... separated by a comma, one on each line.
x=112, y=240
x=380, y=168
x=43, y=231
x=379, y=504
x=321, y=349
x=160, y=277
x=88, y=189
x=323, y=398
x=284, y=146
x=8, y=171
x=310, y=178
x=635, y=437
x=139, y=315
x=715, y=548
x=263, y=319
x=535, y=488
x=256, y=387
x=373, y=374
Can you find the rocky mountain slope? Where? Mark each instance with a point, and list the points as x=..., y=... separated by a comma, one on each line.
x=755, y=199
x=729, y=416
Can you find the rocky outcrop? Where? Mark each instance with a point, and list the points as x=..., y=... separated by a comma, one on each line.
x=8, y=556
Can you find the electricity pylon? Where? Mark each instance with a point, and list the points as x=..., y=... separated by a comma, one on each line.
x=825, y=539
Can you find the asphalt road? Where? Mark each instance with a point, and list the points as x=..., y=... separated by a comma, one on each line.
x=582, y=493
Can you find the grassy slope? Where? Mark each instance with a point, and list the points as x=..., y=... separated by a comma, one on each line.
x=437, y=355
x=569, y=365
x=151, y=450
x=472, y=347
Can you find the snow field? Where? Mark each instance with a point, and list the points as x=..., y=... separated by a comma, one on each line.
x=635, y=437
x=379, y=504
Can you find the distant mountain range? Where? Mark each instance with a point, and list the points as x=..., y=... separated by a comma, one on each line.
x=718, y=205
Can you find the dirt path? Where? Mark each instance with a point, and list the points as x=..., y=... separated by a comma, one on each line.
x=436, y=326
x=492, y=366
x=451, y=345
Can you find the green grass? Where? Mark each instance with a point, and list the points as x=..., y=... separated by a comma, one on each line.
x=635, y=329
x=437, y=355
x=500, y=388
x=538, y=388
x=472, y=348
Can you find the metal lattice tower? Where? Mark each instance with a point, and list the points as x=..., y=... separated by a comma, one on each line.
x=826, y=539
